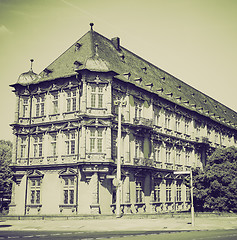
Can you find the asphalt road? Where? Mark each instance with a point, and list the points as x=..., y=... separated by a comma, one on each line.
x=142, y=235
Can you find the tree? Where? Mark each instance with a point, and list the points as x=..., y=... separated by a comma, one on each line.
x=5, y=171
x=215, y=188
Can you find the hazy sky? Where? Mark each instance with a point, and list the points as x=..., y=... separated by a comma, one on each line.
x=194, y=40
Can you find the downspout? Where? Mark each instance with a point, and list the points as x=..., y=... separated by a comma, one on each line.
x=28, y=157
x=78, y=154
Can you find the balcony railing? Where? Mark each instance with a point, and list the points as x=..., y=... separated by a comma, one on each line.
x=143, y=162
x=178, y=167
x=21, y=161
x=69, y=158
x=95, y=157
x=36, y=160
x=143, y=122
x=169, y=166
x=52, y=159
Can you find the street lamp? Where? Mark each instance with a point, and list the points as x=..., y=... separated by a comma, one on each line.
x=191, y=183
x=117, y=180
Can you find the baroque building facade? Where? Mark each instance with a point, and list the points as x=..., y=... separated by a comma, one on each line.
x=66, y=129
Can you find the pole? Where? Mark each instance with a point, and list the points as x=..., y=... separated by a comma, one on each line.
x=118, y=191
x=192, y=207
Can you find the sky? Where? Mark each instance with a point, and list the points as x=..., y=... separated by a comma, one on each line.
x=194, y=40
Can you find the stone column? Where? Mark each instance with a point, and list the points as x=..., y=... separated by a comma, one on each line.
x=108, y=143
x=94, y=183
x=126, y=186
x=83, y=143
x=84, y=95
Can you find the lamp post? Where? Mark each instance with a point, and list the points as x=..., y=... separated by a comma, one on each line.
x=117, y=181
x=191, y=186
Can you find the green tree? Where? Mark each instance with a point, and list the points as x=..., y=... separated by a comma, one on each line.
x=5, y=171
x=215, y=188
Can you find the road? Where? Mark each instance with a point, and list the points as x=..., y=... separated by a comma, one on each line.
x=141, y=235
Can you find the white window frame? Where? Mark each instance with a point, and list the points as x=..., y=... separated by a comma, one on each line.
x=71, y=100
x=40, y=106
x=96, y=140
x=70, y=143
x=69, y=190
x=96, y=96
x=38, y=146
x=35, y=191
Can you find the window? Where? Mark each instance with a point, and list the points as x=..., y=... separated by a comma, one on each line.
x=157, y=154
x=71, y=101
x=25, y=107
x=38, y=146
x=216, y=137
x=70, y=143
x=168, y=192
x=167, y=120
x=23, y=147
x=114, y=191
x=156, y=116
x=54, y=145
x=39, y=107
x=97, y=97
x=69, y=190
x=188, y=194
x=178, y=193
x=138, y=111
x=187, y=158
x=139, y=192
x=157, y=191
x=55, y=109
x=35, y=190
x=186, y=127
x=96, y=140
x=177, y=124
x=178, y=155
x=168, y=155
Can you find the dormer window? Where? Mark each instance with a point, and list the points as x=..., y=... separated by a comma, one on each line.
x=144, y=69
x=47, y=72
x=77, y=46
x=77, y=65
x=127, y=75
x=138, y=80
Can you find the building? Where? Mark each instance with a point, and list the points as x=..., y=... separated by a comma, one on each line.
x=66, y=128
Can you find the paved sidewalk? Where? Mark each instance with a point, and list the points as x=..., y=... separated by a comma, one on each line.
x=121, y=224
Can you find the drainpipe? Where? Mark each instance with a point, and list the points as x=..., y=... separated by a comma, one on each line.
x=28, y=157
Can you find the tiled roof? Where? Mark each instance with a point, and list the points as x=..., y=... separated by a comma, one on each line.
x=98, y=53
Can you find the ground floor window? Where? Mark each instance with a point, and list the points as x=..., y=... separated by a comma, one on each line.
x=188, y=194
x=139, y=192
x=157, y=191
x=178, y=193
x=35, y=191
x=168, y=192
x=69, y=190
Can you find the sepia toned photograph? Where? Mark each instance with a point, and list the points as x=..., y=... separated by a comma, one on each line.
x=118, y=119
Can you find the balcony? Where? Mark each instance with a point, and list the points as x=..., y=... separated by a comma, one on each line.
x=143, y=162
x=143, y=122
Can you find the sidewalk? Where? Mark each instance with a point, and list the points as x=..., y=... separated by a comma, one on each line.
x=121, y=224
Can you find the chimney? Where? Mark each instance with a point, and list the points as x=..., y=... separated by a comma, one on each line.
x=116, y=42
